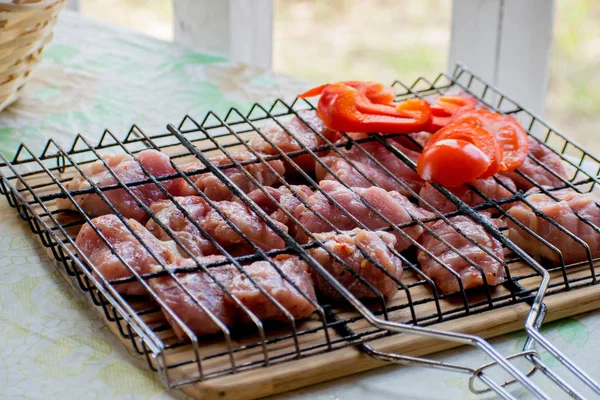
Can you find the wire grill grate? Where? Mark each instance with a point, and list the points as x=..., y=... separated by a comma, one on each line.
x=33, y=184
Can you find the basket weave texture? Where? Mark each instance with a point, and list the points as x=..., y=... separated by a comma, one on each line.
x=25, y=28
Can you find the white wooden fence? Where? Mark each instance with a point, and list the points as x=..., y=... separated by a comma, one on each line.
x=506, y=41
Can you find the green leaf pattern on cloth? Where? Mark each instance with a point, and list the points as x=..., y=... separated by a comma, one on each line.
x=565, y=332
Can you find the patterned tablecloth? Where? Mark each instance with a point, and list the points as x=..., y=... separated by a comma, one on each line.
x=52, y=344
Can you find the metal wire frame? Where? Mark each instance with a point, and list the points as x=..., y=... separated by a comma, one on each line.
x=61, y=164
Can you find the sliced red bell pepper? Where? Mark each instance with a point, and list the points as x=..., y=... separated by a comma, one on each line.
x=376, y=92
x=511, y=137
x=343, y=107
x=313, y=92
x=449, y=108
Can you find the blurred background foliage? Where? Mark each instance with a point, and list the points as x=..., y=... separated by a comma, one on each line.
x=383, y=40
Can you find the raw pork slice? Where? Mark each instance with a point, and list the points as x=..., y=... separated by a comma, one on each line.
x=392, y=205
x=125, y=245
x=215, y=189
x=285, y=199
x=128, y=170
x=358, y=249
x=209, y=219
x=488, y=186
x=203, y=289
x=269, y=279
x=304, y=133
x=179, y=225
x=562, y=212
x=364, y=167
x=469, y=274
x=248, y=223
x=537, y=172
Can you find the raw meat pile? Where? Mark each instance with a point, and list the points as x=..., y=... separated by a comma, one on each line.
x=364, y=207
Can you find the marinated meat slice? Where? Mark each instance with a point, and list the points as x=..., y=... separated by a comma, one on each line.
x=125, y=245
x=215, y=189
x=284, y=200
x=537, y=172
x=470, y=275
x=247, y=222
x=128, y=170
x=488, y=186
x=271, y=281
x=359, y=250
x=365, y=168
x=181, y=227
x=392, y=205
x=204, y=289
x=218, y=228
x=303, y=132
x=563, y=213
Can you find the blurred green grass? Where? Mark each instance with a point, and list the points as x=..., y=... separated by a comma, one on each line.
x=384, y=40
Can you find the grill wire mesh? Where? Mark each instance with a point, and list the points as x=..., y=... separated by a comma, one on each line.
x=33, y=183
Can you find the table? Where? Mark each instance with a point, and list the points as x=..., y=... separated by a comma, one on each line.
x=93, y=76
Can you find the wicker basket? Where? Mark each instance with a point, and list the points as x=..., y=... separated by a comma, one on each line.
x=25, y=28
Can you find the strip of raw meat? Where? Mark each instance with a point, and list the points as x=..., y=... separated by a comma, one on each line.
x=267, y=277
x=284, y=200
x=303, y=132
x=392, y=205
x=249, y=223
x=128, y=170
x=215, y=189
x=488, y=186
x=208, y=293
x=209, y=219
x=126, y=246
x=180, y=226
x=537, y=172
x=204, y=289
x=351, y=175
x=470, y=275
x=563, y=212
x=358, y=249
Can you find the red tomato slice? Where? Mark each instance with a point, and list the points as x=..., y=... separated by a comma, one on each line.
x=447, y=108
x=511, y=137
x=479, y=137
x=452, y=162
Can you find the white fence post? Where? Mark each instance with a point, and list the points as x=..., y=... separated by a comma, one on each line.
x=508, y=43
x=241, y=29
